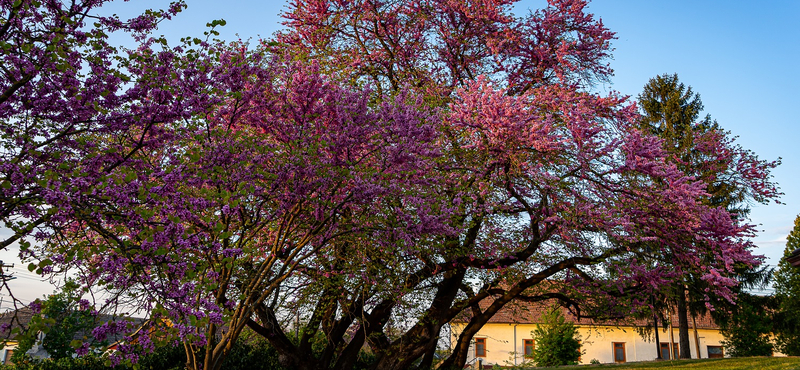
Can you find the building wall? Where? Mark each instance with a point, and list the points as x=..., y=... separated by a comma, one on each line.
x=596, y=343
x=5, y=353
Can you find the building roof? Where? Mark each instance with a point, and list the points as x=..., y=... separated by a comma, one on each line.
x=19, y=319
x=11, y=320
x=518, y=312
x=794, y=258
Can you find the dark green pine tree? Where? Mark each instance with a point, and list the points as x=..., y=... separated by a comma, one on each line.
x=787, y=291
x=671, y=111
x=748, y=326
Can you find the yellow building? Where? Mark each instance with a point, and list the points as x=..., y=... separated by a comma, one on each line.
x=507, y=339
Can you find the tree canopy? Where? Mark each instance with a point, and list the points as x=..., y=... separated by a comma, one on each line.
x=375, y=171
x=703, y=150
x=787, y=291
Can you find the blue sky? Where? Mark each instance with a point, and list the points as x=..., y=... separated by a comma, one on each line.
x=740, y=56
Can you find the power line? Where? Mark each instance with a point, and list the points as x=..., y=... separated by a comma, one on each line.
x=3, y=275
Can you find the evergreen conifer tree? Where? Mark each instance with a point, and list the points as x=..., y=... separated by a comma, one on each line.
x=787, y=290
x=671, y=111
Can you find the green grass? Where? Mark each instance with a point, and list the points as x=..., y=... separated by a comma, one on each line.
x=745, y=363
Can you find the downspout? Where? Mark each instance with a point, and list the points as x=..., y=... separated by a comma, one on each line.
x=514, y=346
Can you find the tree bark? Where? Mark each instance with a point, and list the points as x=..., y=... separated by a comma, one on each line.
x=683, y=323
x=696, y=337
x=427, y=359
x=421, y=340
x=658, y=342
x=270, y=329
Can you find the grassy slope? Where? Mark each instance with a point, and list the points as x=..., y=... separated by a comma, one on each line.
x=747, y=363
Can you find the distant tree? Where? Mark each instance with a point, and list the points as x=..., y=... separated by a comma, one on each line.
x=787, y=291
x=60, y=318
x=749, y=325
x=557, y=340
x=700, y=148
x=670, y=110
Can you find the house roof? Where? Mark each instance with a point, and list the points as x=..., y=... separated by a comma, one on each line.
x=11, y=320
x=794, y=258
x=20, y=319
x=518, y=312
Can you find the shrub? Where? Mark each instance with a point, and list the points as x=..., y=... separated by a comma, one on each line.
x=747, y=331
x=89, y=362
x=557, y=341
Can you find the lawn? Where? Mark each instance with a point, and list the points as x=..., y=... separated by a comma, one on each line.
x=746, y=363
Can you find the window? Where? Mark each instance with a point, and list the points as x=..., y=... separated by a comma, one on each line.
x=619, y=351
x=665, y=350
x=480, y=347
x=716, y=352
x=529, y=347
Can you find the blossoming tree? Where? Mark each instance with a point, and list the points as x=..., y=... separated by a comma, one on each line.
x=382, y=168
x=62, y=84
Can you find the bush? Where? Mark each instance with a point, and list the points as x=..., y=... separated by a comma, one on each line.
x=747, y=331
x=247, y=354
x=164, y=358
x=557, y=341
x=89, y=362
x=251, y=352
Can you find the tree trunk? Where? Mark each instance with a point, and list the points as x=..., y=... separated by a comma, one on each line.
x=658, y=342
x=269, y=328
x=427, y=359
x=191, y=360
x=683, y=324
x=458, y=358
x=421, y=340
